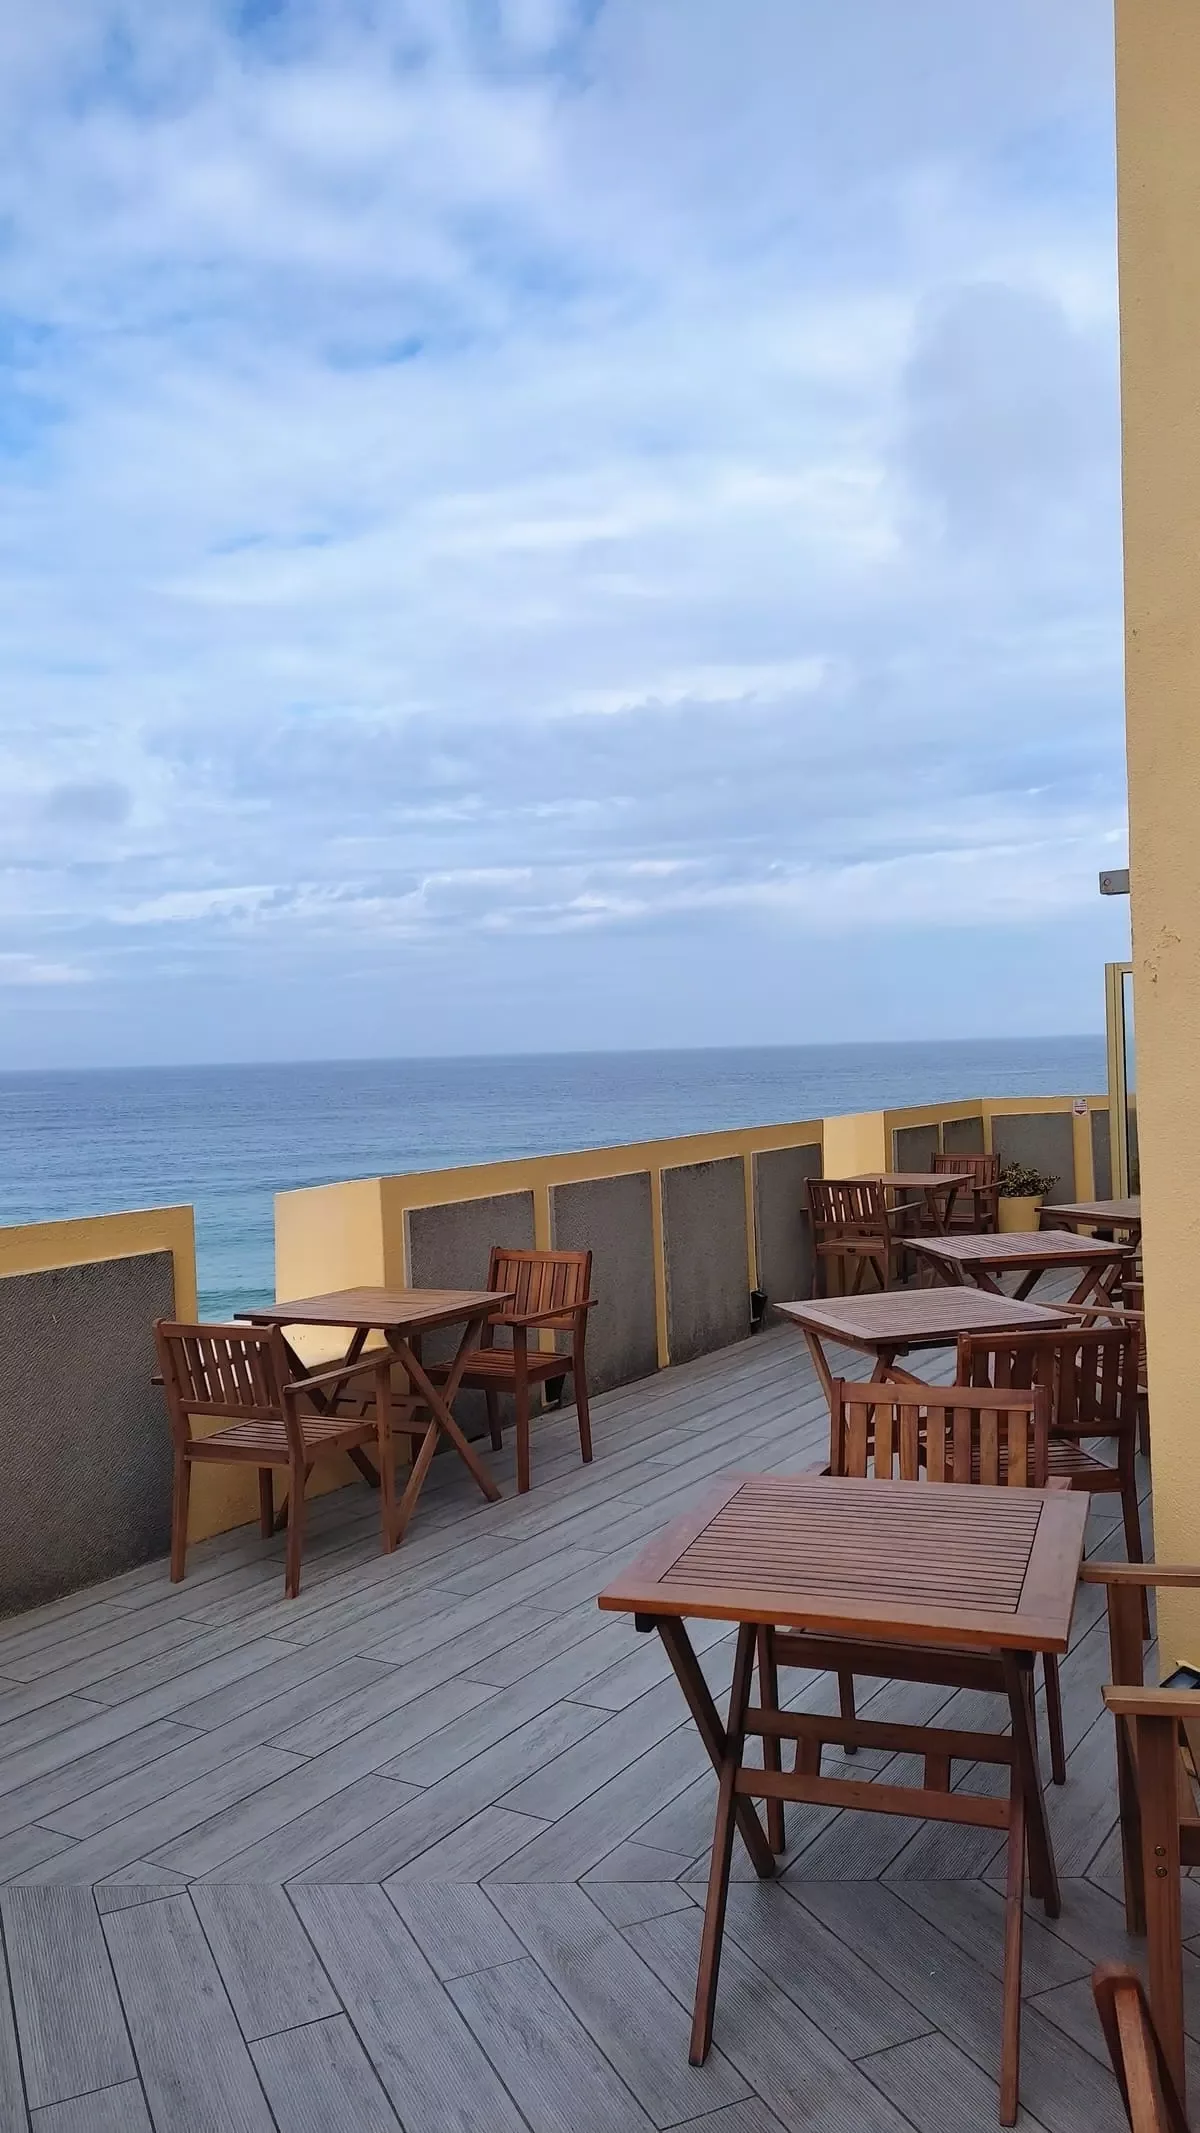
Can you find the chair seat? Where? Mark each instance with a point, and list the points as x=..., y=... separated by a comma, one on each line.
x=268, y=1440
x=1066, y=1461
x=1069, y=1461
x=495, y=1366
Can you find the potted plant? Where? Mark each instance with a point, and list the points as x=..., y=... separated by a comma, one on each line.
x=1022, y=1191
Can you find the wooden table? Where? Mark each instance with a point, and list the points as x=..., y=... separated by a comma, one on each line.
x=1031, y=1253
x=403, y=1316
x=936, y=1187
x=889, y=1325
x=1109, y=1215
x=972, y=1571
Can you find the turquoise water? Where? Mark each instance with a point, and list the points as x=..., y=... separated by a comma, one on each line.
x=228, y=1138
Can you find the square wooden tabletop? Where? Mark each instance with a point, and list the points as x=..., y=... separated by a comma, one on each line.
x=1116, y=1212
x=915, y=1561
x=915, y=1180
x=382, y=1310
x=917, y=1318
x=1017, y=1248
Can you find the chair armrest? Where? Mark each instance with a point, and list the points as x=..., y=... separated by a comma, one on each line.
x=1140, y=1574
x=1110, y=1314
x=540, y=1318
x=1126, y=1702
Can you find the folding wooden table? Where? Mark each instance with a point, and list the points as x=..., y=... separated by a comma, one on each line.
x=404, y=1316
x=983, y=1571
x=889, y=1325
x=1108, y=1215
x=1030, y=1253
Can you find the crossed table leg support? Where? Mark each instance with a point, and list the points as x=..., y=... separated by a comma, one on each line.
x=1021, y=1817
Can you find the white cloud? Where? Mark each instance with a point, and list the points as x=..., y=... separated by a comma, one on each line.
x=553, y=466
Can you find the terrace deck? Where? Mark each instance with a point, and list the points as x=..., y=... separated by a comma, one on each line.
x=425, y=1847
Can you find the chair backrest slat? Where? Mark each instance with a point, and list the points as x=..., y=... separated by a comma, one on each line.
x=955, y=1433
x=848, y=1207
x=1091, y=1373
x=983, y=1170
x=231, y=1373
x=555, y=1282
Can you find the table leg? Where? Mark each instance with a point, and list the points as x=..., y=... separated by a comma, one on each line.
x=722, y=1847
x=438, y=1403
x=1158, y=1783
x=1100, y=1285
x=1043, y=1876
x=820, y=1365
x=698, y=1697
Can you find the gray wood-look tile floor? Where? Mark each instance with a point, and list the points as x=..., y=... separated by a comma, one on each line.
x=426, y=1847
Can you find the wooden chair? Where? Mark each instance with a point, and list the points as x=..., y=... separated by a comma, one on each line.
x=942, y=1435
x=976, y=1206
x=851, y=1223
x=1092, y=1372
x=1127, y=1308
x=1158, y=1757
x=552, y=1290
x=1001, y=1443
x=1148, y=2092
x=240, y=1376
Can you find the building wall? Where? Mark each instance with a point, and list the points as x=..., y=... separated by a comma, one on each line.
x=1158, y=159
x=85, y=1450
x=613, y=1219
x=782, y=1224
x=707, y=1261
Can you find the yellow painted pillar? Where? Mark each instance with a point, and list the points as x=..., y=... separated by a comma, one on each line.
x=855, y=1143
x=1158, y=153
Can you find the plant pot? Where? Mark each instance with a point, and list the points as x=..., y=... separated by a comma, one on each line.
x=1019, y=1214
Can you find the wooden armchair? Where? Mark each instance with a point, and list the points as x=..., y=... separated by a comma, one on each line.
x=551, y=1290
x=976, y=1207
x=919, y=1432
x=1093, y=1374
x=1158, y=1757
x=851, y=1223
x=1148, y=2092
x=943, y=1435
x=240, y=1377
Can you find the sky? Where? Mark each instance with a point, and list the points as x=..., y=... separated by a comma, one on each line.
x=554, y=524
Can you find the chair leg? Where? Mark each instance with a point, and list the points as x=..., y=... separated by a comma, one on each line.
x=582, y=1411
x=295, y=1530
x=1014, y=1922
x=846, y=1706
x=266, y=1502
x=521, y=1396
x=492, y=1403
x=1131, y=1518
x=180, y=1495
x=1054, y=1719
x=772, y=1751
x=386, y=1456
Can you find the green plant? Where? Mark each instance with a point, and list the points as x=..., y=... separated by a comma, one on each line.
x=1019, y=1182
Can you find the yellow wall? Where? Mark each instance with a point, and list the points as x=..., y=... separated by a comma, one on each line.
x=857, y=1141
x=37, y=1247
x=1158, y=155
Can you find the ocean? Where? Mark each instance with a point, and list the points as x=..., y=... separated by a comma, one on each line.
x=228, y=1138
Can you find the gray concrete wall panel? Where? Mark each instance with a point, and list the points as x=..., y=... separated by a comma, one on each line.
x=1042, y=1139
x=85, y=1451
x=612, y=1218
x=783, y=1227
x=708, y=1271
